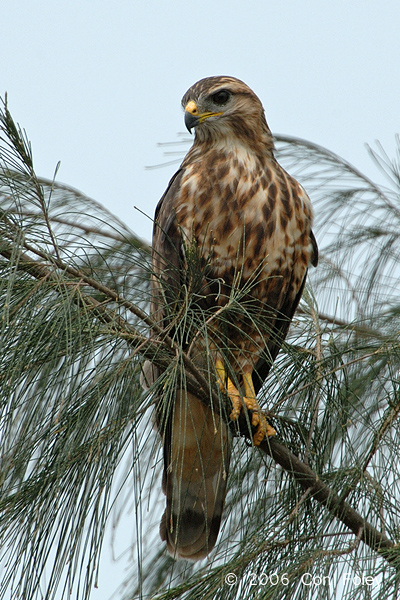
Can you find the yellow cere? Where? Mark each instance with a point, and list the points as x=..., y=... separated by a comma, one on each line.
x=191, y=108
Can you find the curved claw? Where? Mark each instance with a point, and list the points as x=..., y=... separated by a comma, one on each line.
x=263, y=429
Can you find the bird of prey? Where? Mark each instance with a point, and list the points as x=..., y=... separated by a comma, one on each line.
x=248, y=223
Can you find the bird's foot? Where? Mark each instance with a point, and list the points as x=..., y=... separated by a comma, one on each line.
x=263, y=429
x=249, y=400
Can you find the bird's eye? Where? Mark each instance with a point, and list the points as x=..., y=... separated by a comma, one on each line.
x=221, y=97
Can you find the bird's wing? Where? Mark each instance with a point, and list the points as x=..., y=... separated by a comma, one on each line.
x=196, y=440
x=281, y=326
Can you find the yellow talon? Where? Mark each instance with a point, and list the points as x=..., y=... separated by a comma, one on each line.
x=263, y=429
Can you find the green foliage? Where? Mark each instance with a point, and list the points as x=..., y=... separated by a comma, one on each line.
x=68, y=383
x=76, y=436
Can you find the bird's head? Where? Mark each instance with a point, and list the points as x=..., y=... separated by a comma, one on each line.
x=225, y=107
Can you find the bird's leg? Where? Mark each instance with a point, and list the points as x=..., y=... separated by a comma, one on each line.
x=249, y=399
x=258, y=420
x=233, y=392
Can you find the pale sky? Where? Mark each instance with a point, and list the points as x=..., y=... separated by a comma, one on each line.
x=97, y=85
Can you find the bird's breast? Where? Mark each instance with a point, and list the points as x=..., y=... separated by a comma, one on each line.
x=246, y=220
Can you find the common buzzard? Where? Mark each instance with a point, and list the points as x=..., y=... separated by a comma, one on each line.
x=245, y=224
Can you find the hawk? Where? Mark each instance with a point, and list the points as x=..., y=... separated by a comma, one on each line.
x=248, y=223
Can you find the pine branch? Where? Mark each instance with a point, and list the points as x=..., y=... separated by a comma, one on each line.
x=24, y=152
x=323, y=494
x=26, y=199
x=159, y=351
x=85, y=229
x=150, y=348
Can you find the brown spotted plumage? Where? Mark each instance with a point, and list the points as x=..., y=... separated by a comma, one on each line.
x=250, y=224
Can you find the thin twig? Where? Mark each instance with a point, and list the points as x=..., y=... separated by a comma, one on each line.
x=155, y=349
x=330, y=372
x=392, y=416
x=86, y=229
x=318, y=353
x=280, y=454
x=323, y=494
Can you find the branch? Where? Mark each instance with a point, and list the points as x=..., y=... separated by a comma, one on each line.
x=360, y=330
x=162, y=351
x=159, y=351
x=85, y=228
x=336, y=159
x=323, y=494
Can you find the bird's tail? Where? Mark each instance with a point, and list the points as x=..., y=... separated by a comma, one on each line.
x=197, y=454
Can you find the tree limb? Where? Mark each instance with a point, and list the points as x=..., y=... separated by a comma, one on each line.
x=323, y=494
x=162, y=351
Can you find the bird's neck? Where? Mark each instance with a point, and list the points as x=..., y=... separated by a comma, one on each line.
x=237, y=135
x=234, y=150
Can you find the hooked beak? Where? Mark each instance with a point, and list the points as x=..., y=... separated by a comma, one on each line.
x=193, y=117
x=191, y=121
